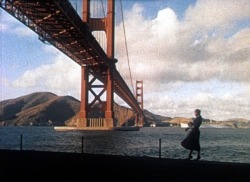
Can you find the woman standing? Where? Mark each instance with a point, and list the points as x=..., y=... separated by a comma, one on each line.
x=192, y=140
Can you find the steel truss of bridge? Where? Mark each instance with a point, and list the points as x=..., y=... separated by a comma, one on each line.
x=57, y=22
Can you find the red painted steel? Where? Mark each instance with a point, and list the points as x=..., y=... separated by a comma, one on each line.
x=103, y=24
x=57, y=22
x=139, y=98
x=139, y=93
x=84, y=92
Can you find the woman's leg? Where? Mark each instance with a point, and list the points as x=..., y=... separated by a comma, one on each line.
x=190, y=154
x=198, y=155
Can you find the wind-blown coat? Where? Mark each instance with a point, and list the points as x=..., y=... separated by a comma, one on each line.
x=192, y=140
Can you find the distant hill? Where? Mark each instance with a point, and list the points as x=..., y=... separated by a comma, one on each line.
x=233, y=123
x=178, y=120
x=45, y=109
x=156, y=119
x=38, y=109
x=238, y=123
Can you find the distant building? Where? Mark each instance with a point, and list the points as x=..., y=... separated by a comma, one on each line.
x=183, y=125
x=152, y=125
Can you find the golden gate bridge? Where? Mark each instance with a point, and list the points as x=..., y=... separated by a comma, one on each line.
x=59, y=24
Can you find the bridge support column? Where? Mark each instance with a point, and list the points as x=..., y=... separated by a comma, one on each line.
x=109, y=113
x=139, y=98
x=83, y=114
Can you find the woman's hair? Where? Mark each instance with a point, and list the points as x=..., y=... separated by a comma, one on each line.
x=198, y=111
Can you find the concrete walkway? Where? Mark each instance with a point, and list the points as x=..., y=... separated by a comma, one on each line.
x=53, y=166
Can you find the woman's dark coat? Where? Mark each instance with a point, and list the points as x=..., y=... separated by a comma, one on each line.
x=192, y=140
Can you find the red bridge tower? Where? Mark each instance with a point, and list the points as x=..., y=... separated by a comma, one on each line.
x=88, y=86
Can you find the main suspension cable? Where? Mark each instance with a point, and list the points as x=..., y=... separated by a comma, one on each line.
x=126, y=45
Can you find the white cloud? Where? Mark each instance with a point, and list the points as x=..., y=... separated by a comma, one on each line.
x=214, y=102
x=166, y=53
x=10, y=25
x=185, y=64
x=158, y=44
x=207, y=15
x=61, y=77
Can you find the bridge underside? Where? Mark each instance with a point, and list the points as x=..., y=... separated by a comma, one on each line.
x=57, y=22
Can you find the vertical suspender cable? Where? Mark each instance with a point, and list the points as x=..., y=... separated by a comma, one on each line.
x=103, y=11
x=124, y=32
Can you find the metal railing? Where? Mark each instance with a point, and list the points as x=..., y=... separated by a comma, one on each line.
x=82, y=147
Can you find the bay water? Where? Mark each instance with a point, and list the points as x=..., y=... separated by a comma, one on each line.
x=217, y=144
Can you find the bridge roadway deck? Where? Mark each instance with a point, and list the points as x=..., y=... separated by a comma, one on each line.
x=57, y=22
x=54, y=166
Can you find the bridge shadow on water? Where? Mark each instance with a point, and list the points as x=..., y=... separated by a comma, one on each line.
x=56, y=166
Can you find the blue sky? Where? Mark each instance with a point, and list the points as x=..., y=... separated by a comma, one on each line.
x=190, y=54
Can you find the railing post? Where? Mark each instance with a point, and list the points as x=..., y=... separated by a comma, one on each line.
x=159, y=148
x=21, y=142
x=82, y=144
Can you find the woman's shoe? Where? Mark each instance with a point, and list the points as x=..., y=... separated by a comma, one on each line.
x=189, y=157
x=198, y=158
